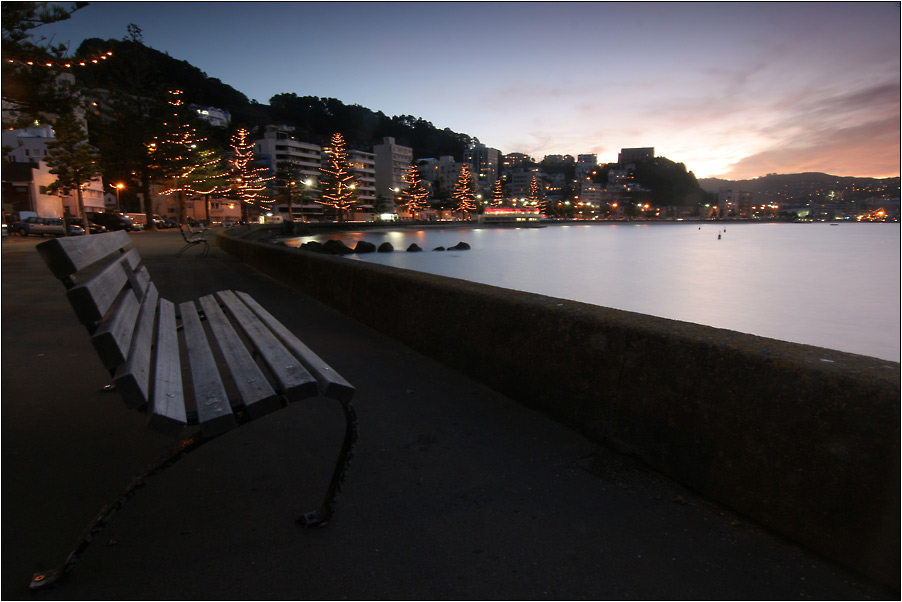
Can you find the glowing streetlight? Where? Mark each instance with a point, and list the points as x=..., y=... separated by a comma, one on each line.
x=119, y=187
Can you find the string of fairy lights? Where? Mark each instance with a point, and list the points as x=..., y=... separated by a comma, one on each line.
x=247, y=180
x=58, y=63
x=182, y=153
x=340, y=184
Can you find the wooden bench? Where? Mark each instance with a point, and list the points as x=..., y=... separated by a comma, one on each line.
x=241, y=364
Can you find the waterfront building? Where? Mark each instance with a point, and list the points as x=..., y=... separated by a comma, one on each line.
x=440, y=175
x=391, y=161
x=484, y=165
x=520, y=180
x=279, y=145
x=25, y=182
x=363, y=164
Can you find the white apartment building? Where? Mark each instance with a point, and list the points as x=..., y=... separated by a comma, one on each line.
x=279, y=145
x=364, y=166
x=29, y=146
x=392, y=160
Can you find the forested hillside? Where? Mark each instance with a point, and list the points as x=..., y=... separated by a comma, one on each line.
x=136, y=69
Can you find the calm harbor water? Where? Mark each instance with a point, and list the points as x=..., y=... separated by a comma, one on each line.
x=834, y=286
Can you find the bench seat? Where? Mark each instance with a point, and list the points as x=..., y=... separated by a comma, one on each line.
x=195, y=369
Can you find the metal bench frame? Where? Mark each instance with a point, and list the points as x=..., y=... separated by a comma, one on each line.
x=195, y=238
x=244, y=365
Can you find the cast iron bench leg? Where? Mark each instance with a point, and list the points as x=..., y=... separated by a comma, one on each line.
x=321, y=516
x=46, y=579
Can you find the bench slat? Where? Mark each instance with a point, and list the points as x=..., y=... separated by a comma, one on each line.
x=133, y=379
x=114, y=334
x=92, y=298
x=255, y=391
x=167, y=411
x=66, y=256
x=214, y=413
x=294, y=380
x=331, y=382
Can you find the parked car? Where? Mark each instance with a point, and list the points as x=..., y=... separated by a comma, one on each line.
x=113, y=221
x=164, y=222
x=92, y=227
x=45, y=225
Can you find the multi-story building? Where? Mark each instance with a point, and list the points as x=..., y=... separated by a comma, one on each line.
x=363, y=165
x=635, y=156
x=484, y=165
x=279, y=145
x=391, y=161
x=513, y=160
x=520, y=181
x=585, y=165
x=28, y=180
x=441, y=175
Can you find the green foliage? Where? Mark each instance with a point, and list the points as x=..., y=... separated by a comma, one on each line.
x=31, y=67
x=71, y=159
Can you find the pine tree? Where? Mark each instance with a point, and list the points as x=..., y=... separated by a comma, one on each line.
x=463, y=192
x=497, y=194
x=188, y=168
x=413, y=198
x=72, y=160
x=339, y=184
x=37, y=80
x=288, y=186
x=536, y=198
x=248, y=180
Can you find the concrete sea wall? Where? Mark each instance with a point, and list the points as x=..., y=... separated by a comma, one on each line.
x=803, y=440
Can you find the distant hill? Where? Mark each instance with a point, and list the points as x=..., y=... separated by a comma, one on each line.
x=782, y=182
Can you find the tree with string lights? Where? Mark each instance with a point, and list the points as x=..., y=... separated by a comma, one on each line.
x=37, y=80
x=497, y=194
x=248, y=181
x=463, y=192
x=183, y=163
x=413, y=198
x=536, y=198
x=72, y=160
x=339, y=184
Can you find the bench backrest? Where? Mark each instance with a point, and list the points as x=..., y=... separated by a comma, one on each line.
x=112, y=295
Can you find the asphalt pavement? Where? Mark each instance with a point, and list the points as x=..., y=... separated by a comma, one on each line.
x=455, y=491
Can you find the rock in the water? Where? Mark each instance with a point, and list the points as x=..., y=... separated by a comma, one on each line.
x=364, y=247
x=316, y=247
x=461, y=246
x=336, y=247
x=439, y=249
x=385, y=248
x=413, y=248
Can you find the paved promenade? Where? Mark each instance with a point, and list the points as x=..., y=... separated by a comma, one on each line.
x=455, y=491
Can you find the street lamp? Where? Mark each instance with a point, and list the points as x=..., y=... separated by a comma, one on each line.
x=119, y=187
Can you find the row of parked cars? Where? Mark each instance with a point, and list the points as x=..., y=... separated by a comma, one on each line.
x=97, y=222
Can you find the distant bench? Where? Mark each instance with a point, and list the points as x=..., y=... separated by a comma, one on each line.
x=243, y=365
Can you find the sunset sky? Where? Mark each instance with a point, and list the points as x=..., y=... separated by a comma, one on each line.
x=734, y=90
